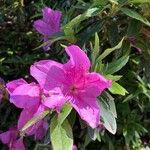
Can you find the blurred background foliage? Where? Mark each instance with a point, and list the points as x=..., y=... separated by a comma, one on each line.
x=86, y=23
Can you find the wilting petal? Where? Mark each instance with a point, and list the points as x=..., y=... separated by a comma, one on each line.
x=86, y=106
x=25, y=96
x=12, y=85
x=18, y=145
x=97, y=80
x=42, y=27
x=39, y=70
x=78, y=59
x=8, y=136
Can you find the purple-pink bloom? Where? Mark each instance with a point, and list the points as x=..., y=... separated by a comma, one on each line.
x=10, y=138
x=49, y=24
x=72, y=82
x=74, y=147
x=28, y=97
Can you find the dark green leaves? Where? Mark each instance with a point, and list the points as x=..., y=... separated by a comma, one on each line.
x=135, y=15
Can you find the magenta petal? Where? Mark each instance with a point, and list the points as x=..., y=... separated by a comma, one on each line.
x=18, y=145
x=39, y=70
x=42, y=27
x=12, y=85
x=56, y=99
x=25, y=116
x=41, y=130
x=74, y=147
x=97, y=80
x=38, y=129
x=86, y=106
x=8, y=136
x=25, y=96
x=78, y=59
x=56, y=77
x=52, y=18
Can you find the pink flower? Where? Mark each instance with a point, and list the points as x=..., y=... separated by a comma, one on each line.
x=74, y=147
x=28, y=97
x=72, y=82
x=10, y=138
x=49, y=24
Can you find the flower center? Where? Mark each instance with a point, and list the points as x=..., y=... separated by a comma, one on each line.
x=73, y=89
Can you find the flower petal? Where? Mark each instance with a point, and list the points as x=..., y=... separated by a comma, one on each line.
x=78, y=59
x=39, y=70
x=25, y=96
x=38, y=129
x=56, y=77
x=52, y=17
x=42, y=27
x=8, y=136
x=41, y=130
x=18, y=145
x=12, y=85
x=98, y=81
x=56, y=99
x=86, y=106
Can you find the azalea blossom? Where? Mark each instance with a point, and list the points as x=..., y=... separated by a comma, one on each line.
x=49, y=24
x=72, y=82
x=28, y=97
x=10, y=138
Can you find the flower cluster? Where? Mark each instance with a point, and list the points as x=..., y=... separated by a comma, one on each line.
x=56, y=84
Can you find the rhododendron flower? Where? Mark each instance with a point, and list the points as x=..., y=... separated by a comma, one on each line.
x=28, y=97
x=72, y=82
x=10, y=138
x=49, y=24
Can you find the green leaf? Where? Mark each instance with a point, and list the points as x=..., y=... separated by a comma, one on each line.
x=69, y=28
x=113, y=77
x=61, y=135
x=109, y=120
x=64, y=113
x=111, y=104
x=117, y=89
x=135, y=15
x=96, y=46
x=109, y=50
x=139, y=1
x=34, y=120
x=116, y=65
